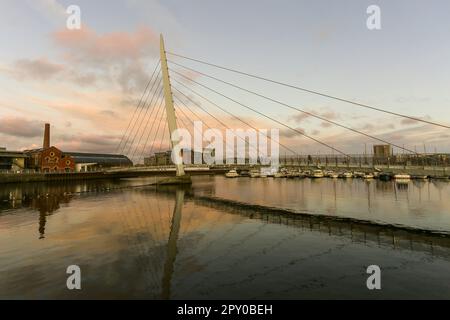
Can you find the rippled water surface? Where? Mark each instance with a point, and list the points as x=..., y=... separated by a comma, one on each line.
x=147, y=242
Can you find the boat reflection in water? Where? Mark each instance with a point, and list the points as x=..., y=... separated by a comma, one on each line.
x=171, y=243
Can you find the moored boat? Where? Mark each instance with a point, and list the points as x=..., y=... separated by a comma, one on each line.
x=358, y=174
x=333, y=175
x=385, y=176
x=232, y=174
x=254, y=173
x=402, y=176
x=317, y=174
x=346, y=175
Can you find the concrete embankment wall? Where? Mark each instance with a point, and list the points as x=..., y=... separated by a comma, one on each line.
x=79, y=176
x=41, y=177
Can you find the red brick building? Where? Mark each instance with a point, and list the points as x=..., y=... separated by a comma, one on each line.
x=51, y=159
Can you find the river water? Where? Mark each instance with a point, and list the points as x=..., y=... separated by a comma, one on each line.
x=135, y=241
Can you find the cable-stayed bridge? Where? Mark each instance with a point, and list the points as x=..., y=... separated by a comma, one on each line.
x=178, y=95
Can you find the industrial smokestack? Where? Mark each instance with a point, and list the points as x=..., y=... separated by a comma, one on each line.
x=47, y=136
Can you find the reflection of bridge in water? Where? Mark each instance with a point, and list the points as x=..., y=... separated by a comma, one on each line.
x=155, y=228
x=365, y=232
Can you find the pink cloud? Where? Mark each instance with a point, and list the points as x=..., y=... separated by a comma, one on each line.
x=85, y=45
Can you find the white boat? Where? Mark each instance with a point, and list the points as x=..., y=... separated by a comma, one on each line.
x=317, y=174
x=267, y=172
x=346, y=175
x=254, y=174
x=402, y=176
x=368, y=176
x=358, y=174
x=419, y=177
x=333, y=175
x=232, y=174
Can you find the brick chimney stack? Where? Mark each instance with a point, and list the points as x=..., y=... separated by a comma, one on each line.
x=47, y=136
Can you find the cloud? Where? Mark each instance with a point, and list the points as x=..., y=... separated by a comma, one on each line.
x=288, y=133
x=407, y=121
x=86, y=46
x=114, y=58
x=37, y=69
x=301, y=116
x=108, y=113
x=101, y=143
x=21, y=127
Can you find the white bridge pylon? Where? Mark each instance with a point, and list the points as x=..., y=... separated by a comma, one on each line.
x=170, y=110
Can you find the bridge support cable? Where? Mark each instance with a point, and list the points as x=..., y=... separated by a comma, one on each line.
x=140, y=107
x=303, y=111
x=146, y=106
x=268, y=117
x=162, y=140
x=312, y=91
x=179, y=118
x=157, y=130
x=201, y=108
x=187, y=117
x=148, y=118
x=192, y=121
x=160, y=107
x=226, y=127
x=224, y=110
x=137, y=107
x=131, y=133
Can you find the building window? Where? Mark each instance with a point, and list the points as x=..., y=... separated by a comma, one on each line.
x=68, y=162
x=52, y=154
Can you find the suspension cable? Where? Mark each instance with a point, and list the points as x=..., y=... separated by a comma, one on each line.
x=138, y=116
x=268, y=117
x=137, y=107
x=151, y=129
x=312, y=91
x=219, y=121
x=224, y=110
x=157, y=130
x=302, y=111
x=145, y=113
x=147, y=123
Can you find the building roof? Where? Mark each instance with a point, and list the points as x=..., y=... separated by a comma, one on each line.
x=12, y=154
x=100, y=158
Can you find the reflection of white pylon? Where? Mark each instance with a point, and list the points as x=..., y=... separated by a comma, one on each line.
x=170, y=110
x=172, y=245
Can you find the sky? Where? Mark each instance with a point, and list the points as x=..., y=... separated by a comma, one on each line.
x=87, y=82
